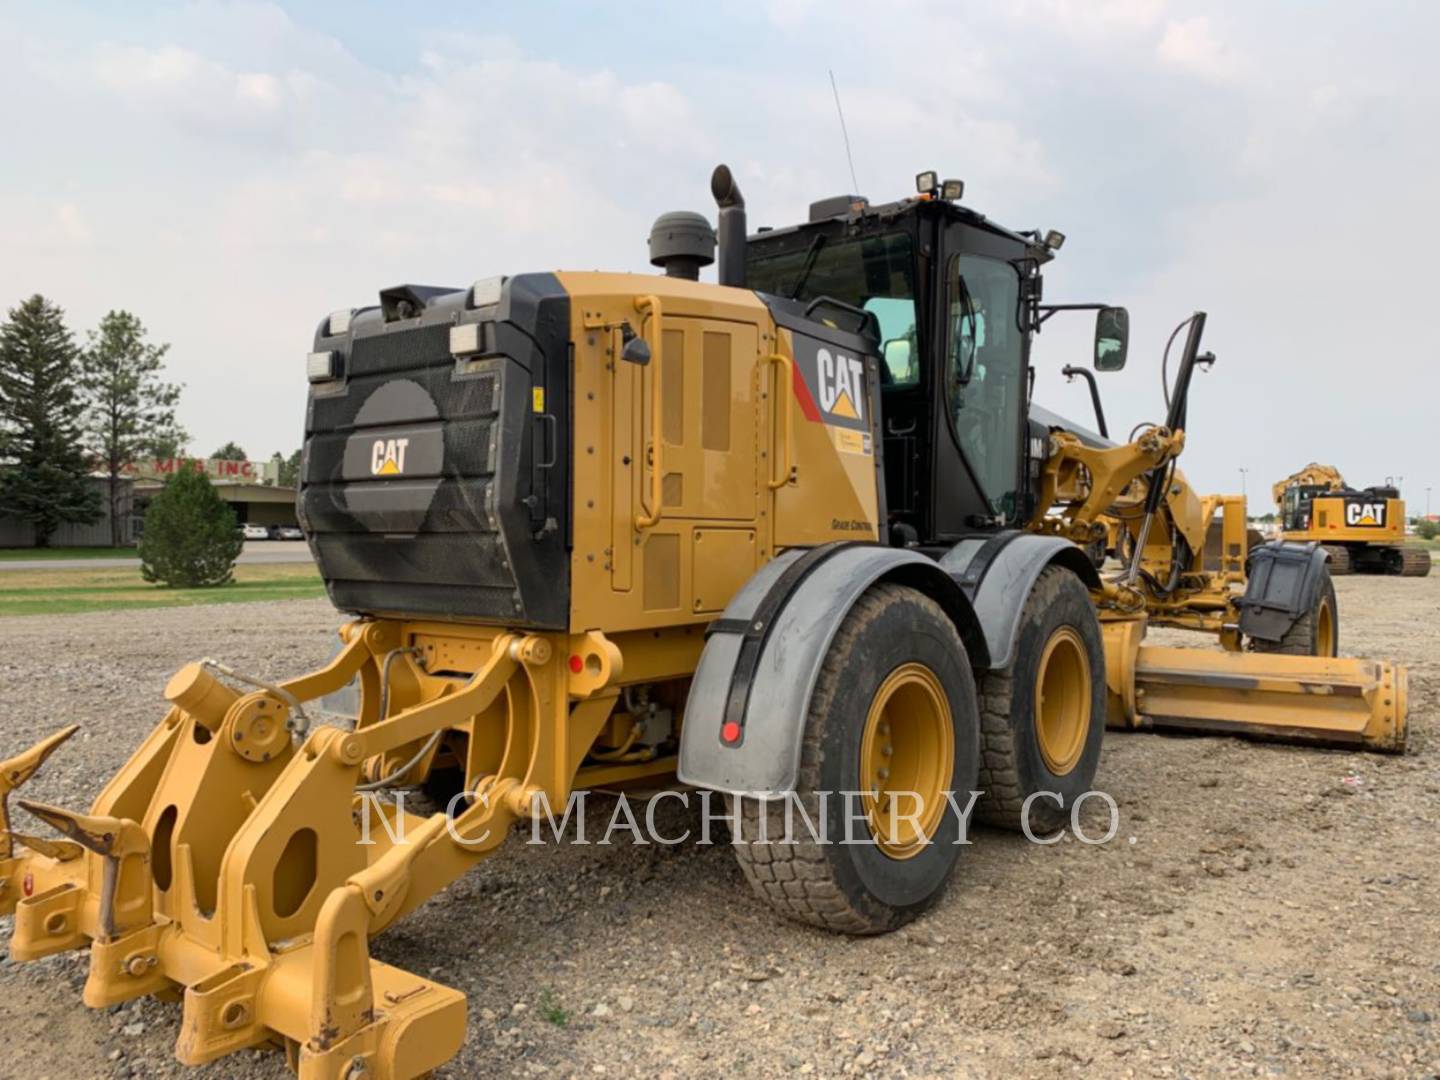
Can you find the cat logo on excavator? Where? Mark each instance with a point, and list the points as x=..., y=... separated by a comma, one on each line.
x=1371, y=513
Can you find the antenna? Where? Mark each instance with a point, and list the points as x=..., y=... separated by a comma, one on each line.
x=844, y=133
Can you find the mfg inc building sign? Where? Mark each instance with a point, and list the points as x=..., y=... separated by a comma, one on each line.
x=217, y=469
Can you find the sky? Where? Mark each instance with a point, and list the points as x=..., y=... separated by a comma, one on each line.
x=232, y=172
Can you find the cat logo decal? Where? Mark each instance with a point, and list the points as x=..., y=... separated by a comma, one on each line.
x=387, y=457
x=842, y=384
x=1365, y=513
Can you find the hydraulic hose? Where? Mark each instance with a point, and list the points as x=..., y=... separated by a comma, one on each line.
x=426, y=747
x=299, y=722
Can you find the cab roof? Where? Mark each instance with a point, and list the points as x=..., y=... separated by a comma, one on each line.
x=856, y=209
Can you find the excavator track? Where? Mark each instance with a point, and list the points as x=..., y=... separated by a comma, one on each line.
x=1414, y=562
x=1339, y=560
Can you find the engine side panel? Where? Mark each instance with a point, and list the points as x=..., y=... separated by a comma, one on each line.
x=703, y=426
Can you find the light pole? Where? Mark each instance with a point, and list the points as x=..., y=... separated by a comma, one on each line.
x=1243, y=471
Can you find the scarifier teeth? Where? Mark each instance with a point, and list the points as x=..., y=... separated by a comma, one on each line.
x=22, y=766
x=15, y=771
x=59, y=850
x=98, y=834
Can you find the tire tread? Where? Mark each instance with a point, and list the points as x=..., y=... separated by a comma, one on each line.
x=797, y=879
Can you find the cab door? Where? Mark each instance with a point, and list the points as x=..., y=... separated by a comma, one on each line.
x=983, y=353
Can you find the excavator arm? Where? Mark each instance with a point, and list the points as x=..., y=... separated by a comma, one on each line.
x=1312, y=475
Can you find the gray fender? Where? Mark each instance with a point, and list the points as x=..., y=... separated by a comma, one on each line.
x=771, y=705
x=1282, y=581
x=997, y=573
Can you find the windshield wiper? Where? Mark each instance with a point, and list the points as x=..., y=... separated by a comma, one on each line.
x=811, y=254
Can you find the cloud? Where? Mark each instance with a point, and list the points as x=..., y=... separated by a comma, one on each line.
x=199, y=96
x=1090, y=18
x=232, y=171
x=1192, y=46
x=71, y=224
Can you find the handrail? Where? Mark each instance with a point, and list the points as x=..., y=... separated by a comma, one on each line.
x=651, y=513
x=785, y=407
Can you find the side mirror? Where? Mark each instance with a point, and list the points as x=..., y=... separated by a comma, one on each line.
x=897, y=359
x=1112, y=338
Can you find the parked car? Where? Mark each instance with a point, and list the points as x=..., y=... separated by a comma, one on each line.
x=254, y=532
x=286, y=532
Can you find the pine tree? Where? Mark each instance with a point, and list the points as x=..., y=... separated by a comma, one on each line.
x=231, y=451
x=289, y=468
x=44, y=475
x=190, y=537
x=131, y=410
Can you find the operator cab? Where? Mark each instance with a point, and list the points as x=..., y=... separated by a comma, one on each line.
x=952, y=300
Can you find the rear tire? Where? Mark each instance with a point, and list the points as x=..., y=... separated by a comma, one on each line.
x=896, y=678
x=1028, y=747
x=1315, y=633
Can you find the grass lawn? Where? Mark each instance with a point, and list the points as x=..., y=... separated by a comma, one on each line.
x=63, y=592
x=21, y=554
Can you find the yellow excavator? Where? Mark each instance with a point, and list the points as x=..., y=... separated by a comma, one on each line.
x=1363, y=531
x=795, y=534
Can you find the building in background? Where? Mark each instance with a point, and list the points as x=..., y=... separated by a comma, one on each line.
x=252, y=489
x=15, y=533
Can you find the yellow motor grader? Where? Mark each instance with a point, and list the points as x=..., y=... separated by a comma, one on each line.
x=790, y=534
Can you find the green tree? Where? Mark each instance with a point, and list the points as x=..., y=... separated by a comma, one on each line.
x=1427, y=529
x=231, y=451
x=289, y=468
x=190, y=537
x=45, y=478
x=164, y=449
x=131, y=409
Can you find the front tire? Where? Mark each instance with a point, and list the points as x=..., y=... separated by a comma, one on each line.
x=1043, y=719
x=1315, y=633
x=893, y=712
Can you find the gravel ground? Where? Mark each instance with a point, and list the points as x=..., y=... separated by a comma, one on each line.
x=1255, y=915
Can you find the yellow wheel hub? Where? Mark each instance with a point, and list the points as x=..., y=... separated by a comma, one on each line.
x=1062, y=700
x=1325, y=629
x=907, y=757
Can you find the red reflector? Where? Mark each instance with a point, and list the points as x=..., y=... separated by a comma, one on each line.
x=28, y=884
x=730, y=732
x=576, y=664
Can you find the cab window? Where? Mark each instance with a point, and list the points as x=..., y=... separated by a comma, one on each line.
x=899, y=350
x=985, y=374
x=873, y=272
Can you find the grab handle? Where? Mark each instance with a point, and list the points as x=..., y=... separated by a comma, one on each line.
x=652, y=510
x=785, y=406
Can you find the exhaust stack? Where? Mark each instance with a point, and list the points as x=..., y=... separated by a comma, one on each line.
x=730, y=267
